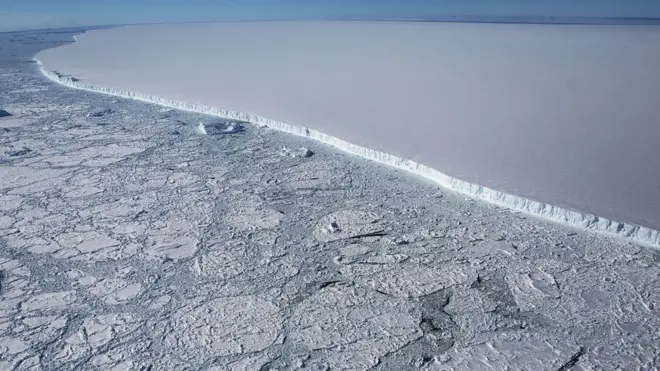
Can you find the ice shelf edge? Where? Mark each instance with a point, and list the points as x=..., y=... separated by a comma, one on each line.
x=625, y=231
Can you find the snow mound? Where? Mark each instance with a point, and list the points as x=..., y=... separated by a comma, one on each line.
x=201, y=129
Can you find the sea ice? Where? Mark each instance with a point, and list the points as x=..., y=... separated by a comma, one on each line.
x=189, y=252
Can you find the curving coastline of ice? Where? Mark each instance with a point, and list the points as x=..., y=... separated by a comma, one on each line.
x=629, y=231
x=565, y=115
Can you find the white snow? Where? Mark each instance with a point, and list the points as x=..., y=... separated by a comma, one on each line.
x=49, y=301
x=214, y=253
x=566, y=115
x=232, y=128
x=224, y=326
x=201, y=129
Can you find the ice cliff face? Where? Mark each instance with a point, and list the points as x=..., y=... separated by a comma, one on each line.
x=628, y=231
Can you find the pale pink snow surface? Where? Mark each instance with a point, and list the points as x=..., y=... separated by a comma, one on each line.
x=567, y=115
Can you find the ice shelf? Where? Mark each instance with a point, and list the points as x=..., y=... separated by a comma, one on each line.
x=570, y=216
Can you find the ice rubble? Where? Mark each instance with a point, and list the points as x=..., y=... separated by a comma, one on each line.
x=201, y=129
x=219, y=128
x=636, y=233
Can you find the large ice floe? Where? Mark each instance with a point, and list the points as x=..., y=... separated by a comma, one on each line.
x=552, y=120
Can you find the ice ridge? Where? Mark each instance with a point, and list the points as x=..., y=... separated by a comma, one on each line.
x=627, y=231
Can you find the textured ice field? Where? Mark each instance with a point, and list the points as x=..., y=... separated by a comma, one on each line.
x=129, y=240
x=564, y=115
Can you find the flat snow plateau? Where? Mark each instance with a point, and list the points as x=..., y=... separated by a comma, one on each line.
x=130, y=240
x=564, y=115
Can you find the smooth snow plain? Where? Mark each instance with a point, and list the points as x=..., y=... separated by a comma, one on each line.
x=554, y=120
x=131, y=240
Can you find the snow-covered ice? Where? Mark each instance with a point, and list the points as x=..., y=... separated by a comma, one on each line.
x=201, y=129
x=554, y=120
x=130, y=242
x=217, y=128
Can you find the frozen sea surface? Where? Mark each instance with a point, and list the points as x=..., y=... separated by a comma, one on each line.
x=564, y=115
x=130, y=241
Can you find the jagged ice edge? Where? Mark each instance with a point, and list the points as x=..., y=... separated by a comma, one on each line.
x=626, y=231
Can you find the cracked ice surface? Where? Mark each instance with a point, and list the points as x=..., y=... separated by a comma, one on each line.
x=130, y=242
x=551, y=120
x=223, y=327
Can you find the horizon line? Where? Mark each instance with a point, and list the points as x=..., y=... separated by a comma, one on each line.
x=498, y=19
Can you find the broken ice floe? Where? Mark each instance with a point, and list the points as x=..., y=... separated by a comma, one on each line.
x=219, y=128
x=363, y=323
x=100, y=113
x=532, y=288
x=21, y=152
x=115, y=291
x=347, y=224
x=222, y=327
x=531, y=351
x=300, y=152
x=94, y=333
x=407, y=280
x=49, y=301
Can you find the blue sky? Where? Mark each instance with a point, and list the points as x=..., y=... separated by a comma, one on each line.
x=28, y=14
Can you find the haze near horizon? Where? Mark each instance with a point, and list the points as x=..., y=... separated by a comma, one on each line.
x=36, y=14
